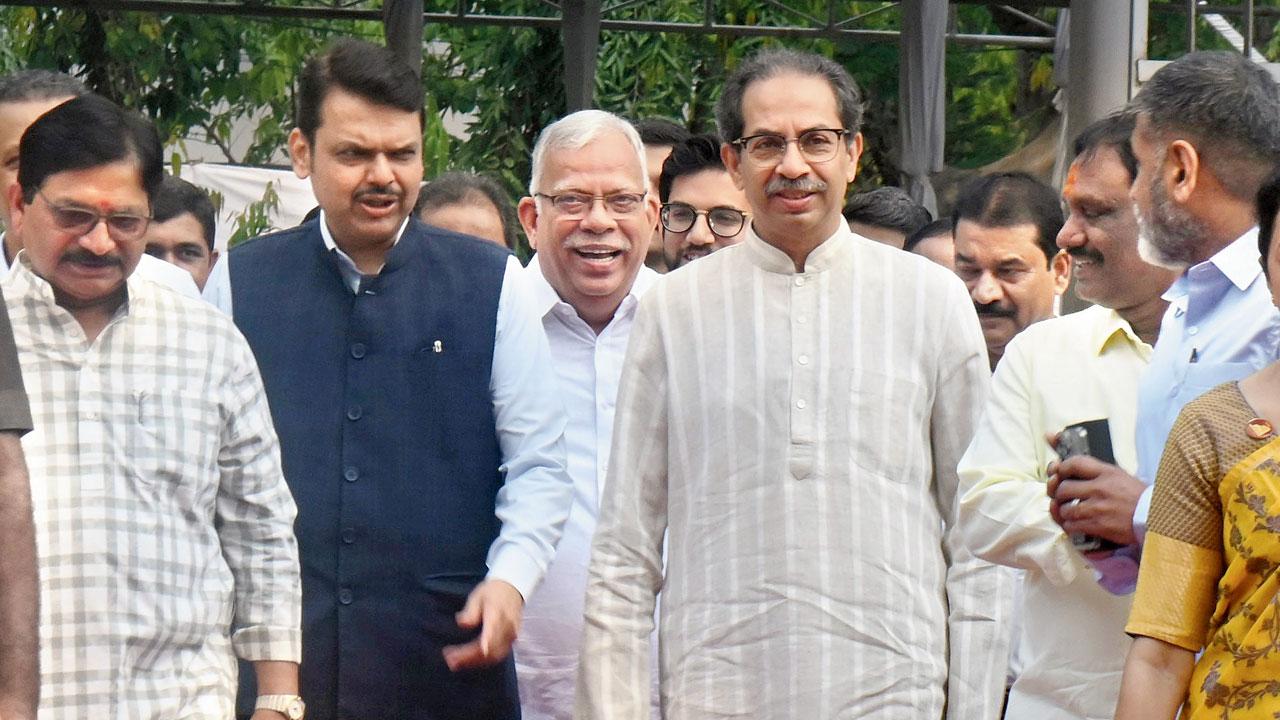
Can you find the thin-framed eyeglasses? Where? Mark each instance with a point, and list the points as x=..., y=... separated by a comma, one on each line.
x=575, y=204
x=80, y=221
x=816, y=145
x=722, y=221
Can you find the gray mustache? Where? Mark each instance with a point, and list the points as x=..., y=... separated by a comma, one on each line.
x=804, y=184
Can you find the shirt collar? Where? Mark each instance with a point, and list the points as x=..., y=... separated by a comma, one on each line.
x=769, y=258
x=350, y=272
x=24, y=281
x=1112, y=328
x=545, y=297
x=1237, y=262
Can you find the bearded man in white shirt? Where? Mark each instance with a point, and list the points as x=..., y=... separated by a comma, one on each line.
x=791, y=411
x=588, y=217
x=1056, y=373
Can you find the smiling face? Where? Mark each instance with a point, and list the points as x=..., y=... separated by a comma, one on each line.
x=87, y=270
x=1101, y=235
x=591, y=258
x=703, y=191
x=365, y=165
x=795, y=202
x=1009, y=279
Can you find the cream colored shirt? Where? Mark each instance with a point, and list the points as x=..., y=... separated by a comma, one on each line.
x=797, y=434
x=1058, y=372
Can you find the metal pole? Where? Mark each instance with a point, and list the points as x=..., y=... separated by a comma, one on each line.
x=1191, y=25
x=1248, y=28
x=580, y=32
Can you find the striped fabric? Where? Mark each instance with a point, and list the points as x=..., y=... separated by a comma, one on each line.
x=797, y=434
x=164, y=525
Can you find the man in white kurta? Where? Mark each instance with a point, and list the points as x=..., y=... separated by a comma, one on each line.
x=791, y=411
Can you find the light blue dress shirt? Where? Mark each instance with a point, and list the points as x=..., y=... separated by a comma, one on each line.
x=1220, y=326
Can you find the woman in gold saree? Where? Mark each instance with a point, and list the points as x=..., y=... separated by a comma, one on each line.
x=1210, y=576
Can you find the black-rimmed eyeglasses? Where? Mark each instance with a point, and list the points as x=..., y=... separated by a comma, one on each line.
x=724, y=222
x=816, y=145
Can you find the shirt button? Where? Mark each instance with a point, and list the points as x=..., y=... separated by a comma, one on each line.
x=354, y=412
x=1193, y=330
x=357, y=350
x=799, y=282
x=803, y=359
x=351, y=474
x=802, y=319
x=348, y=535
x=92, y=416
x=801, y=404
x=345, y=596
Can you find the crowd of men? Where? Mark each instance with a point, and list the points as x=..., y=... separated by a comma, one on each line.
x=792, y=477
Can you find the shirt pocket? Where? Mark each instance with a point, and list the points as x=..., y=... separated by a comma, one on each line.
x=174, y=436
x=1203, y=377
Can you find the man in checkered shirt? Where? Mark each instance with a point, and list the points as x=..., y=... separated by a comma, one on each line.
x=163, y=521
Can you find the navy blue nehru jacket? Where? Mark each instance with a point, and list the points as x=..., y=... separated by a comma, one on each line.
x=383, y=405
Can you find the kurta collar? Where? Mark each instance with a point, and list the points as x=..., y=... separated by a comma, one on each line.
x=769, y=258
x=545, y=297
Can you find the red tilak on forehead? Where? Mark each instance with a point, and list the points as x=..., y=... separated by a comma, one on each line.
x=1069, y=187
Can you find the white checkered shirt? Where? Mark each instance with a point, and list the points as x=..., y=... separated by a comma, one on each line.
x=164, y=524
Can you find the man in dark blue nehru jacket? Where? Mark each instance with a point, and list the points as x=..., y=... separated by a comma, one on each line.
x=411, y=386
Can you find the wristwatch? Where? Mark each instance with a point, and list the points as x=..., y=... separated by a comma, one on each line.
x=291, y=706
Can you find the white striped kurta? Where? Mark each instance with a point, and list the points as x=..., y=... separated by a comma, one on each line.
x=797, y=434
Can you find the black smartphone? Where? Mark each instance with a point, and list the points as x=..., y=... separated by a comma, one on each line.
x=1092, y=438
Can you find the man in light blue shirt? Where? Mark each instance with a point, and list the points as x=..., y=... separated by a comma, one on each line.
x=1207, y=132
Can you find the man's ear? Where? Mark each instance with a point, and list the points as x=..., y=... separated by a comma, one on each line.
x=1061, y=267
x=300, y=153
x=527, y=211
x=731, y=159
x=1181, y=171
x=855, y=152
x=213, y=258
x=17, y=208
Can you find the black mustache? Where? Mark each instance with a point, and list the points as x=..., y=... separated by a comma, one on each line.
x=993, y=310
x=84, y=257
x=1080, y=253
x=380, y=193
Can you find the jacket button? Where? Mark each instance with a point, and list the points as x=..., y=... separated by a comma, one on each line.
x=351, y=473
x=348, y=535
x=357, y=350
x=345, y=596
x=354, y=412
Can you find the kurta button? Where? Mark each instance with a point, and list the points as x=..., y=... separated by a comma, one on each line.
x=348, y=535
x=799, y=282
x=803, y=359
x=354, y=412
x=345, y=596
x=351, y=473
x=801, y=404
x=357, y=350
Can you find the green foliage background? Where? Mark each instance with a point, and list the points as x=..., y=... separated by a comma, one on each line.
x=198, y=76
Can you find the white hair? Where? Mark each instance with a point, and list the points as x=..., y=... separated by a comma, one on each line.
x=574, y=131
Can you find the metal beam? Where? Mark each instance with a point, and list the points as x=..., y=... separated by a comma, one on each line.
x=253, y=10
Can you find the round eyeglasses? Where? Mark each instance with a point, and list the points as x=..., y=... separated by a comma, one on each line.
x=723, y=222
x=816, y=145
x=81, y=221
